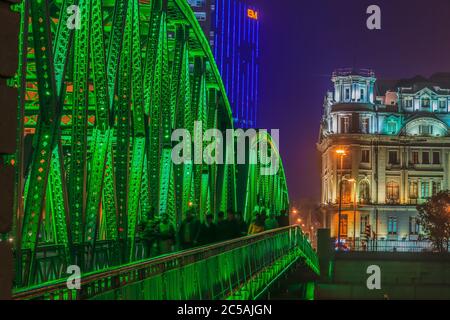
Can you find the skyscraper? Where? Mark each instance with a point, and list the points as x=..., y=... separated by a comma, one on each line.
x=233, y=27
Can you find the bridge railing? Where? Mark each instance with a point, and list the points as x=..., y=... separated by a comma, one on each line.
x=51, y=263
x=218, y=271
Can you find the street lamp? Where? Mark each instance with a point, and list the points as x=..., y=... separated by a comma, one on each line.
x=354, y=215
x=354, y=209
x=342, y=154
x=352, y=180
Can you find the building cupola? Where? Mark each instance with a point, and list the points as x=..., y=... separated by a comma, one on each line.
x=353, y=86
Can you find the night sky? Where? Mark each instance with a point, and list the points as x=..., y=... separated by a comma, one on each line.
x=304, y=41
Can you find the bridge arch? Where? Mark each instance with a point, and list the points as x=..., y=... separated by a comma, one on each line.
x=265, y=180
x=99, y=104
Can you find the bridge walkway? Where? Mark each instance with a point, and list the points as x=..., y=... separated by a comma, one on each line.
x=243, y=268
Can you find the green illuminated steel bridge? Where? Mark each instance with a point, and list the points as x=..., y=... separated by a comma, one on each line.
x=97, y=104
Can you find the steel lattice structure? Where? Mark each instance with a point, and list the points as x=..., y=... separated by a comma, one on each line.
x=97, y=107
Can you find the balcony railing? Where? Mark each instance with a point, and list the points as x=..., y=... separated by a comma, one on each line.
x=386, y=245
x=343, y=72
x=393, y=201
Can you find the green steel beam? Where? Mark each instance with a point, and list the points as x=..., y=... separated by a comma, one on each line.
x=48, y=124
x=101, y=103
x=79, y=135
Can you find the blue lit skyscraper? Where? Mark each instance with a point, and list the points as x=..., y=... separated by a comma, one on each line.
x=234, y=35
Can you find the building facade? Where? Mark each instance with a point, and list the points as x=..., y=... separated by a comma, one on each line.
x=204, y=11
x=233, y=27
x=384, y=148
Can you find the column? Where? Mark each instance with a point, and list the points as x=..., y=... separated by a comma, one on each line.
x=382, y=175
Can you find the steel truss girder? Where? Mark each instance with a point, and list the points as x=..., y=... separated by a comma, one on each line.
x=132, y=74
x=47, y=130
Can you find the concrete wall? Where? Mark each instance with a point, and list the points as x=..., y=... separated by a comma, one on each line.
x=403, y=276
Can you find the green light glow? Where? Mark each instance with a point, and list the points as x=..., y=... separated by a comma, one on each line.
x=101, y=103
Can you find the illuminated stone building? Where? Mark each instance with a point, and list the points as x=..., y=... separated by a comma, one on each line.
x=396, y=143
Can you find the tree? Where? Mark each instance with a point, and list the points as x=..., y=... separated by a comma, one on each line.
x=434, y=217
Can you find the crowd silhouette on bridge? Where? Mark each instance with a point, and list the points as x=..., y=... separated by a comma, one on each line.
x=160, y=237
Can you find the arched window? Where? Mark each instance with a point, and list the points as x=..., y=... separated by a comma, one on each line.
x=392, y=192
x=426, y=126
x=364, y=192
x=347, y=192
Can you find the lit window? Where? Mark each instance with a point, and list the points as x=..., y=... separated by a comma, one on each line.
x=365, y=125
x=364, y=224
x=414, y=226
x=344, y=225
x=425, y=157
x=436, y=187
x=345, y=125
x=364, y=192
x=197, y=3
x=426, y=102
x=392, y=225
x=392, y=192
x=347, y=94
x=347, y=192
x=426, y=129
x=415, y=157
x=425, y=190
x=436, y=157
x=393, y=157
x=201, y=16
x=413, y=190
x=365, y=156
